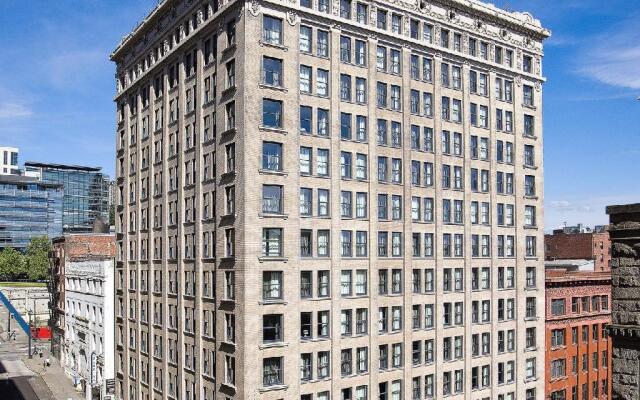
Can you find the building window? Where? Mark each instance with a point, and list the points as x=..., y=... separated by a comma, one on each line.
x=306, y=243
x=527, y=93
x=272, y=30
x=272, y=285
x=558, y=370
x=272, y=156
x=557, y=337
x=557, y=306
x=305, y=79
x=306, y=122
x=305, y=39
x=272, y=242
x=272, y=372
x=272, y=113
x=272, y=328
x=272, y=199
x=272, y=71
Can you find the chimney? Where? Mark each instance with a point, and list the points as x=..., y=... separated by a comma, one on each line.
x=100, y=225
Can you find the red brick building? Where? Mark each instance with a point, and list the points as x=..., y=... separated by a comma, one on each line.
x=578, y=350
x=565, y=244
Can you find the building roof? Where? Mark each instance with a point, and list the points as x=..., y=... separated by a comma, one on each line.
x=62, y=166
x=623, y=209
x=578, y=265
x=79, y=235
x=21, y=179
x=567, y=263
x=564, y=276
x=86, y=246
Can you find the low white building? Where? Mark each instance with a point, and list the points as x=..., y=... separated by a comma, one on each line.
x=86, y=284
x=9, y=161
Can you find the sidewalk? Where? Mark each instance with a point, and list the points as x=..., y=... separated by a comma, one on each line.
x=57, y=381
x=49, y=383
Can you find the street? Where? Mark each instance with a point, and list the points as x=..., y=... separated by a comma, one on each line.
x=22, y=378
x=17, y=382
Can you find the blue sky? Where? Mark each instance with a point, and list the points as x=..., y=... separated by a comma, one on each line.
x=57, y=85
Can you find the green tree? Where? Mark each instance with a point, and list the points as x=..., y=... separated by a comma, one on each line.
x=12, y=264
x=37, y=258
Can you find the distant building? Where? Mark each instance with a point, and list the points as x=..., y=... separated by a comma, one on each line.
x=28, y=208
x=9, y=161
x=580, y=229
x=625, y=313
x=579, y=242
x=86, y=193
x=33, y=172
x=112, y=202
x=578, y=350
x=82, y=309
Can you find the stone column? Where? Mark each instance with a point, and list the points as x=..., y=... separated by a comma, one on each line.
x=624, y=331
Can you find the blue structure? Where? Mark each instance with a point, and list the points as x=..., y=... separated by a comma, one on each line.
x=86, y=193
x=28, y=208
x=16, y=315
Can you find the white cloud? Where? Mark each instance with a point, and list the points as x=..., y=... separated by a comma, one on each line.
x=616, y=70
x=14, y=110
x=613, y=57
x=560, y=204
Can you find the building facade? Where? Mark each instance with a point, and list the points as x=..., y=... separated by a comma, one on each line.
x=578, y=349
x=83, y=309
x=9, y=161
x=330, y=200
x=28, y=209
x=624, y=229
x=86, y=193
x=592, y=245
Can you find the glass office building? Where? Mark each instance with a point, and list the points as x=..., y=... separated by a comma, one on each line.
x=28, y=208
x=86, y=193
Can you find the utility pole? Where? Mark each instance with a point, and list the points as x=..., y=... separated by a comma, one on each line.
x=29, y=334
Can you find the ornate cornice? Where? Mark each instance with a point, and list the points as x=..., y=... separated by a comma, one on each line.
x=628, y=331
x=521, y=21
x=520, y=30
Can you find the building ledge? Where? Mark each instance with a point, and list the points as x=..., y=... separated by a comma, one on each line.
x=631, y=331
x=273, y=388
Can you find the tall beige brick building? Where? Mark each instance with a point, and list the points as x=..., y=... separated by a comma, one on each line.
x=330, y=200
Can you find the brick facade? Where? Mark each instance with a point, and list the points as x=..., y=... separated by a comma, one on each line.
x=577, y=335
x=588, y=246
x=83, y=246
x=601, y=245
x=625, y=314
